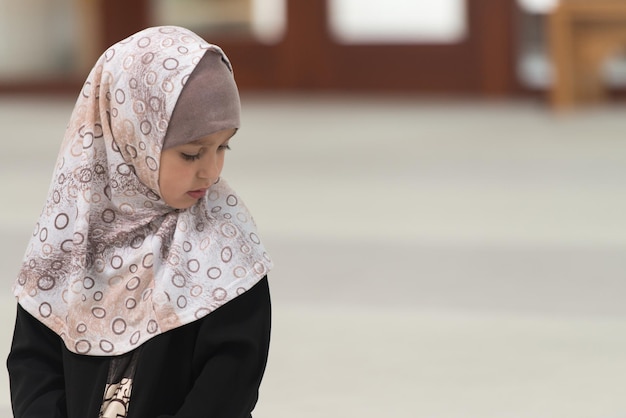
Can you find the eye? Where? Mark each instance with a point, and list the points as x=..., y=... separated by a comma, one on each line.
x=224, y=147
x=189, y=157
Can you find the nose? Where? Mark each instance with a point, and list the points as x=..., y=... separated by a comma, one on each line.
x=209, y=168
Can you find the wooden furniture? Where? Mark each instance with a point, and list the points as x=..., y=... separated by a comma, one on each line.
x=583, y=35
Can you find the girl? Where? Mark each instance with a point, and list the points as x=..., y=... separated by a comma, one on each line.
x=143, y=292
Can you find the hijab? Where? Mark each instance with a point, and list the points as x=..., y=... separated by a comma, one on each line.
x=109, y=264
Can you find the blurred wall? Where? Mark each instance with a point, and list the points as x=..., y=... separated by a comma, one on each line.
x=306, y=54
x=37, y=38
x=460, y=47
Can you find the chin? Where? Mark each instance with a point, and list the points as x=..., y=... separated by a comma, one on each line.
x=187, y=206
x=182, y=204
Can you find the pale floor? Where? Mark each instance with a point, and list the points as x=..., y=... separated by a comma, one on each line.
x=434, y=259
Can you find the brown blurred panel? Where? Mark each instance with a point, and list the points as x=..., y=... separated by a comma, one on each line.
x=494, y=30
x=121, y=18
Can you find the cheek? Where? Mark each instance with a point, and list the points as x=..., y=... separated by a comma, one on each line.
x=171, y=173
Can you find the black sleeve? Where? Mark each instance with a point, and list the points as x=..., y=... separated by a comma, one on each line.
x=231, y=354
x=35, y=368
x=228, y=362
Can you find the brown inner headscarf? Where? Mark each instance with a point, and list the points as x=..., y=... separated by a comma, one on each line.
x=208, y=103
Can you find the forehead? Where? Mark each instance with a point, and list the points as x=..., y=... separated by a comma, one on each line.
x=218, y=136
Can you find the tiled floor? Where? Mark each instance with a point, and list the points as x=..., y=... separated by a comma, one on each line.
x=434, y=259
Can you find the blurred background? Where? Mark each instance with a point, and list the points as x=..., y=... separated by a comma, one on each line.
x=440, y=183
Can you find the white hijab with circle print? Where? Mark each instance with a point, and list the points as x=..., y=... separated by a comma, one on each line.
x=109, y=264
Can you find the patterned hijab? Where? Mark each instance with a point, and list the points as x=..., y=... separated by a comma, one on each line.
x=110, y=264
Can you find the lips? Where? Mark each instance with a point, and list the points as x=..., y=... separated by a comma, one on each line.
x=197, y=194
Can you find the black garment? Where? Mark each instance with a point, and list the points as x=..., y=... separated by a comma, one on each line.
x=209, y=368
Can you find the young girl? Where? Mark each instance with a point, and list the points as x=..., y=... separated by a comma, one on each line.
x=143, y=292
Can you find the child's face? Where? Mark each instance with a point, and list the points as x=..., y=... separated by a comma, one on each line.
x=187, y=171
